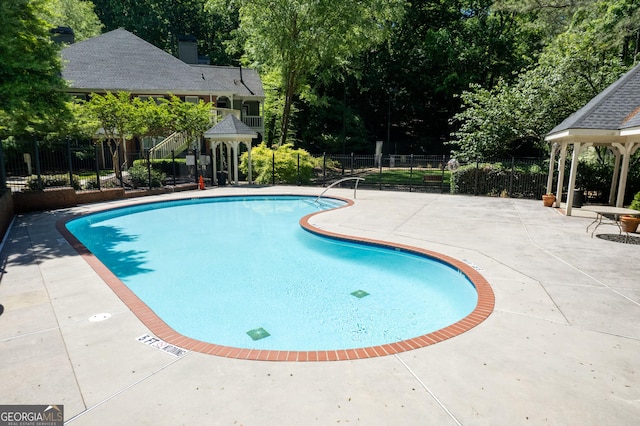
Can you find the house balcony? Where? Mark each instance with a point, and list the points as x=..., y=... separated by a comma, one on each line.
x=255, y=122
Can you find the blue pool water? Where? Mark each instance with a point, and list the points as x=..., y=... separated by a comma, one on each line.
x=227, y=270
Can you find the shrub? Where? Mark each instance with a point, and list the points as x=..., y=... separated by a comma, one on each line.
x=285, y=167
x=53, y=181
x=164, y=165
x=497, y=179
x=139, y=176
x=635, y=204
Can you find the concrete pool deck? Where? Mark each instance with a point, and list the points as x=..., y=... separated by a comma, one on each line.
x=561, y=347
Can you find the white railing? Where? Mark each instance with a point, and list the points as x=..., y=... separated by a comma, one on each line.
x=253, y=121
x=176, y=142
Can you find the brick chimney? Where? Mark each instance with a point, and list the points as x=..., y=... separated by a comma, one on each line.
x=188, y=49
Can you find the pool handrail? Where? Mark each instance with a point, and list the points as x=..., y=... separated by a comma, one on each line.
x=357, y=179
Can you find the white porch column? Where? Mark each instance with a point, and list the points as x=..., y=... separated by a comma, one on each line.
x=552, y=160
x=572, y=176
x=561, y=161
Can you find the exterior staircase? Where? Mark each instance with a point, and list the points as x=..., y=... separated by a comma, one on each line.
x=178, y=141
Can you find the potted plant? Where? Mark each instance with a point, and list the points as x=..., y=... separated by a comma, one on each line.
x=548, y=199
x=629, y=223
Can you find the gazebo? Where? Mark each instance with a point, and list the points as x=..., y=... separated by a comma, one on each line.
x=610, y=119
x=231, y=132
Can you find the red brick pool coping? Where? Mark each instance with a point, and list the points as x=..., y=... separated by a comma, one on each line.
x=484, y=308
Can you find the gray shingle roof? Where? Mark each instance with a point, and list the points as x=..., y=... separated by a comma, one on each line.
x=612, y=109
x=247, y=84
x=230, y=125
x=121, y=61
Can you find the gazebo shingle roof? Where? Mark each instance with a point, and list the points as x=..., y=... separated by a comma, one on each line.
x=229, y=126
x=614, y=108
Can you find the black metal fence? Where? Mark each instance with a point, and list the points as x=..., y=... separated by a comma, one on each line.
x=36, y=165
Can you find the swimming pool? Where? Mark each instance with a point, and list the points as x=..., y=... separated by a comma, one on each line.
x=240, y=272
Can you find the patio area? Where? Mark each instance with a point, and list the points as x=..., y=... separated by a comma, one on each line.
x=562, y=346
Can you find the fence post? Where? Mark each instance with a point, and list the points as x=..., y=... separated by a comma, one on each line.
x=95, y=148
x=298, y=169
x=475, y=180
x=324, y=168
x=119, y=166
x=410, y=172
x=352, y=164
x=146, y=152
x=173, y=164
x=37, y=154
x=3, y=171
x=195, y=165
x=69, y=161
x=442, y=167
x=380, y=184
x=273, y=168
x=511, y=177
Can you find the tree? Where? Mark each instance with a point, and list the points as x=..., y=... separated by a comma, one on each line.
x=32, y=94
x=78, y=15
x=297, y=38
x=161, y=22
x=116, y=117
x=577, y=65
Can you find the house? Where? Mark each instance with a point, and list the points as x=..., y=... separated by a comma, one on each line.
x=120, y=61
x=610, y=119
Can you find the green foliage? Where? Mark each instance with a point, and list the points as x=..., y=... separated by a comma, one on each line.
x=635, y=203
x=78, y=15
x=53, y=181
x=161, y=22
x=296, y=39
x=525, y=181
x=285, y=167
x=162, y=165
x=32, y=97
x=139, y=176
x=578, y=64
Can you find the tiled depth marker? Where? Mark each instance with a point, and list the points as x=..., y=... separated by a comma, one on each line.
x=154, y=342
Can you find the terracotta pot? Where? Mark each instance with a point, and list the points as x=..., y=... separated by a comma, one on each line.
x=629, y=223
x=548, y=200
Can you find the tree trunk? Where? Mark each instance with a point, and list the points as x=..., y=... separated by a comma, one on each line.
x=288, y=101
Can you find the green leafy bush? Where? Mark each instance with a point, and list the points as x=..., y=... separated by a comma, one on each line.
x=523, y=181
x=286, y=164
x=164, y=165
x=53, y=181
x=139, y=176
x=635, y=204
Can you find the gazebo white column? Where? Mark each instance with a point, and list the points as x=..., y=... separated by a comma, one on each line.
x=616, y=175
x=231, y=131
x=234, y=147
x=627, y=150
x=561, y=161
x=572, y=176
x=250, y=172
x=552, y=162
